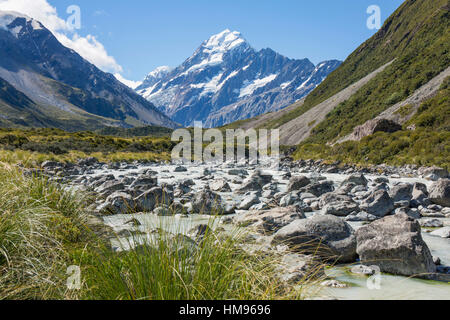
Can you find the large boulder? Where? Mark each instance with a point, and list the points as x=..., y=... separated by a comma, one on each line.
x=401, y=192
x=296, y=183
x=144, y=182
x=357, y=179
x=269, y=221
x=433, y=173
x=248, y=201
x=117, y=203
x=340, y=208
x=109, y=187
x=327, y=236
x=395, y=245
x=255, y=183
x=440, y=192
x=373, y=126
x=378, y=203
x=153, y=198
x=220, y=185
x=318, y=188
x=207, y=202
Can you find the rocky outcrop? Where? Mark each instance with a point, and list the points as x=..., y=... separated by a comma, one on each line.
x=373, y=126
x=396, y=246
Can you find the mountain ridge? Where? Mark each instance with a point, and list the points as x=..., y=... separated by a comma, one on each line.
x=57, y=79
x=226, y=74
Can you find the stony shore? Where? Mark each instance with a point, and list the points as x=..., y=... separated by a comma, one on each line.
x=309, y=212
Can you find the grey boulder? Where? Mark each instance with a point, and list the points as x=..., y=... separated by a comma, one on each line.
x=378, y=203
x=440, y=192
x=296, y=183
x=395, y=245
x=327, y=236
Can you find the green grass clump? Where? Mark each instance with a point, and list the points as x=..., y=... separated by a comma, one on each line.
x=38, y=222
x=173, y=268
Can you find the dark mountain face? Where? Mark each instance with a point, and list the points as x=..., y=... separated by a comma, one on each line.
x=227, y=80
x=34, y=62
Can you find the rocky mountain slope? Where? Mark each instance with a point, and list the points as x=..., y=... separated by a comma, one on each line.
x=227, y=80
x=393, y=76
x=60, y=88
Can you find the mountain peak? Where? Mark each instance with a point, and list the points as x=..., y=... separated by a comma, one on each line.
x=8, y=19
x=223, y=41
x=159, y=72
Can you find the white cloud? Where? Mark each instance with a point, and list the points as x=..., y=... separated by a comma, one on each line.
x=129, y=83
x=88, y=47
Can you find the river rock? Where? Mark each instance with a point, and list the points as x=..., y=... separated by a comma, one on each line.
x=318, y=188
x=332, y=197
x=431, y=223
x=118, y=203
x=110, y=187
x=220, y=185
x=440, y=192
x=296, y=183
x=269, y=221
x=362, y=269
x=361, y=217
x=401, y=192
x=238, y=172
x=327, y=236
x=358, y=180
x=207, y=202
x=296, y=267
x=443, y=232
x=395, y=245
x=180, y=169
x=434, y=173
x=149, y=200
x=411, y=212
x=289, y=199
x=340, y=209
x=378, y=203
x=255, y=182
x=249, y=201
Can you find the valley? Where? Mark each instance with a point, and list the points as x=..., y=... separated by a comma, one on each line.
x=351, y=203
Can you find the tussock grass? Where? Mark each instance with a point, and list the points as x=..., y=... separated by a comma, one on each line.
x=168, y=266
x=38, y=220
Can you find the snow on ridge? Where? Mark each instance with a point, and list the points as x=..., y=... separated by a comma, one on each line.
x=250, y=87
x=216, y=47
x=8, y=17
x=285, y=84
x=223, y=41
x=129, y=83
x=159, y=72
x=212, y=86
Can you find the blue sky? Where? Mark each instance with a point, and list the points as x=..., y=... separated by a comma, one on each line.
x=144, y=34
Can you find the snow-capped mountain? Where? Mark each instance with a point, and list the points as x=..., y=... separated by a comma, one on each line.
x=227, y=80
x=44, y=84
